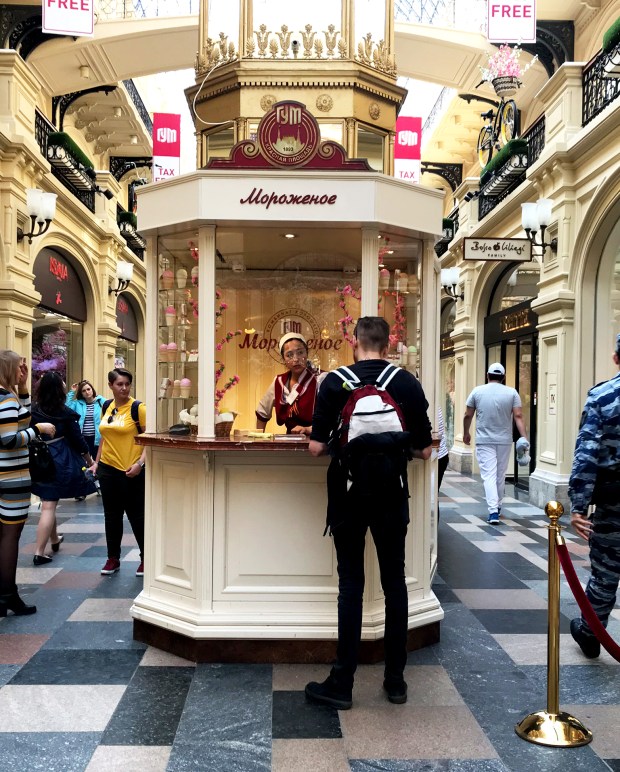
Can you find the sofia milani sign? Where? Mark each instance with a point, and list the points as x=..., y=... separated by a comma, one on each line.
x=68, y=17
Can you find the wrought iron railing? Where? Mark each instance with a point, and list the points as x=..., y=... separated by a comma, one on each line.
x=139, y=105
x=133, y=246
x=454, y=216
x=42, y=129
x=535, y=138
x=598, y=92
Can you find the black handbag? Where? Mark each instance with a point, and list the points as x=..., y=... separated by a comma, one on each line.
x=42, y=467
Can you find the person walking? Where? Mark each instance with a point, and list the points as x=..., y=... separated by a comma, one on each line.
x=83, y=398
x=70, y=453
x=595, y=479
x=120, y=468
x=495, y=406
x=383, y=507
x=15, y=435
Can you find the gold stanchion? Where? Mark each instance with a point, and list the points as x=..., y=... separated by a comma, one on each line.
x=552, y=727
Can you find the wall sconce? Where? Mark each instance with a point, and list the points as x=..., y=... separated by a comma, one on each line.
x=124, y=274
x=41, y=210
x=450, y=283
x=535, y=217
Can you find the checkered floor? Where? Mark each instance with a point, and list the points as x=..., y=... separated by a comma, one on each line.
x=79, y=694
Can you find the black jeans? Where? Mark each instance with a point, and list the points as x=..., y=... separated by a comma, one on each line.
x=121, y=494
x=388, y=526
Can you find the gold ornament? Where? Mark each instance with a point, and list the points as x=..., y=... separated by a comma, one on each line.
x=324, y=103
x=374, y=110
x=268, y=101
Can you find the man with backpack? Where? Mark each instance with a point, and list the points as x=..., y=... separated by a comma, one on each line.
x=372, y=419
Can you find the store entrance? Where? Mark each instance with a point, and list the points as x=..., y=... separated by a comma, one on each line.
x=518, y=352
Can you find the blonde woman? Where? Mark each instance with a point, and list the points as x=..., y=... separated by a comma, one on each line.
x=15, y=434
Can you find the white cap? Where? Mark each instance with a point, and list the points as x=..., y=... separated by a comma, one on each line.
x=291, y=336
x=496, y=369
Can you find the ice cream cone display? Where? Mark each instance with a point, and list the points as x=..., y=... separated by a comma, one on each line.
x=413, y=284
x=167, y=279
x=171, y=315
x=176, y=388
x=185, y=387
x=181, y=278
x=384, y=279
x=163, y=352
x=165, y=384
x=195, y=276
x=172, y=352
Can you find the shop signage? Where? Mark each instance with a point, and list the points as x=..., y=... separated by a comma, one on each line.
x=289, y=137
x=290, y=320
x=59, y=284
x=503, y=250
x=68, y=17
x=407, y=148
x=520, y=320
x=257, y=196
x=126, y=319
x=166, y=145
x=511, y=21
x=446, y=345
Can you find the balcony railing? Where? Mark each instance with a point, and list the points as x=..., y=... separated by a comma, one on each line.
x=535, y=138
x=598, y=92
x=42, y=129
x=130, y=86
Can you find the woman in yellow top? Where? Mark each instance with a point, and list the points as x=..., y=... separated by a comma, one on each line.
x=120, y=468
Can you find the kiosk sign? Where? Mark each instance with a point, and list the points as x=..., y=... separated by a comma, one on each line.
x=288, y=136
x=503, y=250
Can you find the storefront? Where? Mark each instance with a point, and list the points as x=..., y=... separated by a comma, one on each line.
x=510, y=337
x=57, y=332
x=446, y=369
x=125, y=351
x=245, y=253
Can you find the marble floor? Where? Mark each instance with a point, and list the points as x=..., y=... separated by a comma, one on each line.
x=79, y=694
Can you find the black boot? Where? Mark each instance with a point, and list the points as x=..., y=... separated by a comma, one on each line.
x=332, y=691
x=12, y=602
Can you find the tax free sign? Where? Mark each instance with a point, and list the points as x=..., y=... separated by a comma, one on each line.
x=511, y=21
x=68, y=17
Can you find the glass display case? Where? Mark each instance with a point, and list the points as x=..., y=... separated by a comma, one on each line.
x=177, y=359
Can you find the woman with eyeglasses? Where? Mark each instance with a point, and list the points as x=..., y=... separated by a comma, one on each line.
x=15, y=435
x=293, y=393
x=70, y=453
x=120, y=468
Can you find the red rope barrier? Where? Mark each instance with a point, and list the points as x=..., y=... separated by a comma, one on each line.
x=594, y=623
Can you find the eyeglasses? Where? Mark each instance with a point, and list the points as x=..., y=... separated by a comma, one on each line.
x=112, y=414
x=299, y=354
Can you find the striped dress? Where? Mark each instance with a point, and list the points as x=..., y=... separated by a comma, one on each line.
x=15, y=435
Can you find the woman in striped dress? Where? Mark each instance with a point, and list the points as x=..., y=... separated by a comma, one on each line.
x=15, y=435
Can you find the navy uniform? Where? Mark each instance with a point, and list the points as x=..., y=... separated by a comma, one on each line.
x=595, y=479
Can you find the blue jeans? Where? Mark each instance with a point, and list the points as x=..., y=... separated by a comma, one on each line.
x=388, y=526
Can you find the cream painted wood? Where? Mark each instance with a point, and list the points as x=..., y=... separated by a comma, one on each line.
x=370, y=274
x=239, y=553
x=206, y=348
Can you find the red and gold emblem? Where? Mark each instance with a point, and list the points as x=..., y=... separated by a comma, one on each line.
x=289, y=135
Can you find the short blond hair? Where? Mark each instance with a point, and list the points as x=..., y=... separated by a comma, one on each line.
x=8, y=365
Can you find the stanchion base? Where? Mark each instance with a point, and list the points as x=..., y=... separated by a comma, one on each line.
x=559, y=730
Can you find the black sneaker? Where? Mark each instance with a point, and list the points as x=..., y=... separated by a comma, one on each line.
x=330, y=693
x=396, y=691
x=588, y=644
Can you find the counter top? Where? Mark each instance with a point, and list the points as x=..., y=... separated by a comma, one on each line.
x=192, y=442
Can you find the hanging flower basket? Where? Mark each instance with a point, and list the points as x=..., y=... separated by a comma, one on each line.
x=506, y=85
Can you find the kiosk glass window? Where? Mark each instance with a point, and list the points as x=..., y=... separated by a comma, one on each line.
x=218, y=144
x=177, y=360
x=370, y=146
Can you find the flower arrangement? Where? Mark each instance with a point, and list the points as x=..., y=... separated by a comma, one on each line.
x=345, y=321
x=504, y=63
x=219, y=366
x=397, y=333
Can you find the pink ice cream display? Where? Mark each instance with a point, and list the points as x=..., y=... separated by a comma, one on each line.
x=172, y=352
x=163, y=352
x=384, y=279
x=167, y=279
x=176, y=388
x=171, y=315
x=185, y=387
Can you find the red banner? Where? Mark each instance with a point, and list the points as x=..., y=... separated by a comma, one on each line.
x=408, y=148
x=167, y=134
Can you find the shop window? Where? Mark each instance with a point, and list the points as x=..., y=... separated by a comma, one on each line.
x=125, y=349
x=370, y=146
x=56, y=346
x=218, y=144
x=332, y=132
x=516, y=285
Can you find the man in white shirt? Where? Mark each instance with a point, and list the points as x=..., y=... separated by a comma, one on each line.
x=495, y=405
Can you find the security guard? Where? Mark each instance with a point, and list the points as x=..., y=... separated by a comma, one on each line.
x=595, y=479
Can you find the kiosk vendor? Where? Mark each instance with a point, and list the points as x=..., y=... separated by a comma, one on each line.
x=292, y=393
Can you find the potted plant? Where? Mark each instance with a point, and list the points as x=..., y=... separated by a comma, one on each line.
x=611, y=50
x=69, y=160
x=504, y=71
